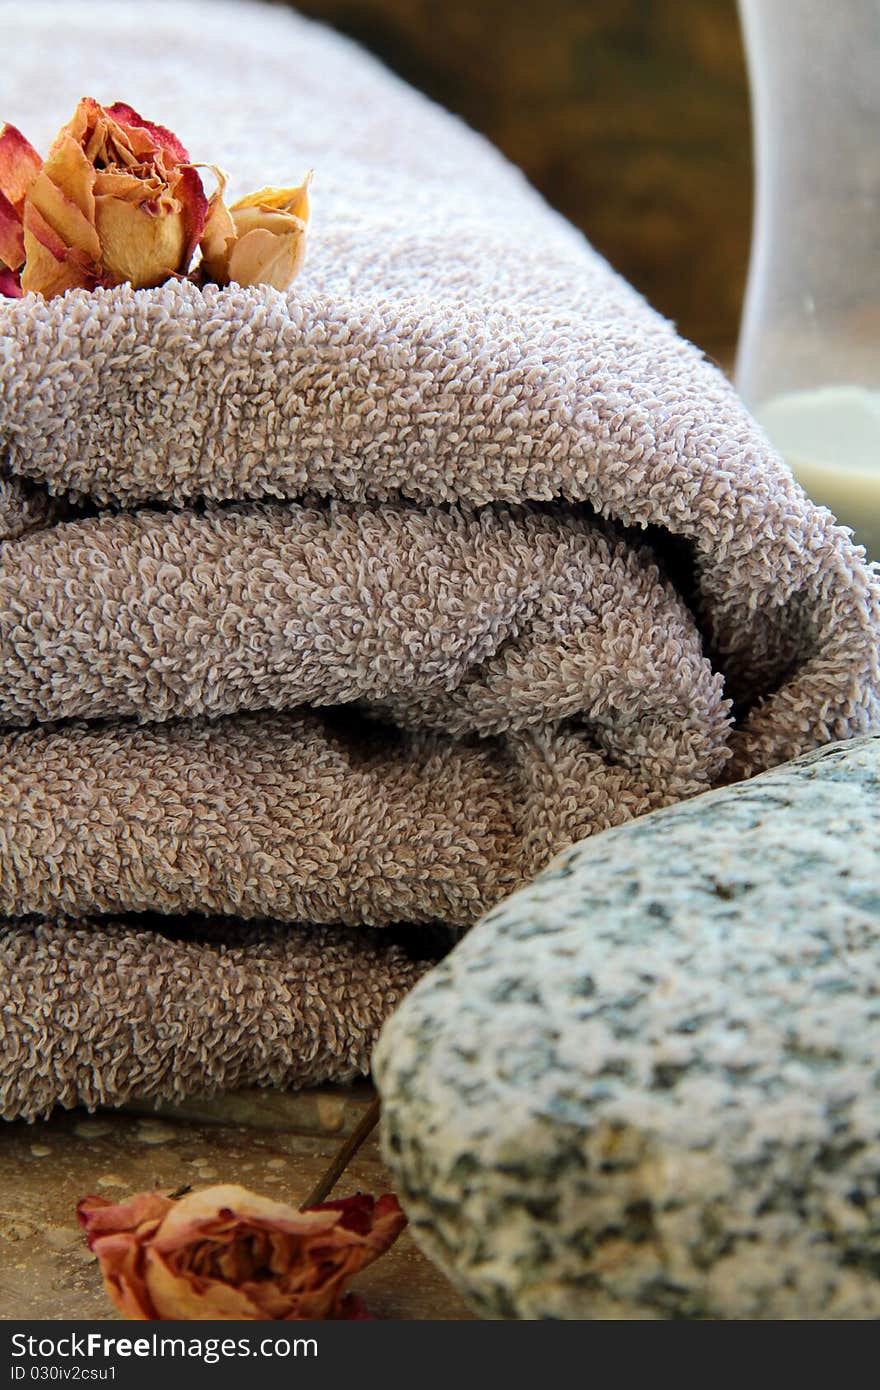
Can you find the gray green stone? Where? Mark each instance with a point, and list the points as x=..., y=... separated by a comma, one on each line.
x=648, y=1085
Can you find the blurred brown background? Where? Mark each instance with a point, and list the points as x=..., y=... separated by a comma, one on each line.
x=630, y=116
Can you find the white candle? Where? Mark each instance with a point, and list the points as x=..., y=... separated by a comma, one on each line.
x=831, y=440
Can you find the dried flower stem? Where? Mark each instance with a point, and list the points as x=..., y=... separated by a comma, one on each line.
x=343, y=1156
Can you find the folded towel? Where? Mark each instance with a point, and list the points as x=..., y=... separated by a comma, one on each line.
x=347, y=608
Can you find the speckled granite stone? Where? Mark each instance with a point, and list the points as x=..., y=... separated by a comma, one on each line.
x=648, y=1085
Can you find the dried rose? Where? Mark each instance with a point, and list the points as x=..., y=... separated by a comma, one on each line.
x=226, y=1253
x=19, y=166
x=116, y=200
x=260, y=240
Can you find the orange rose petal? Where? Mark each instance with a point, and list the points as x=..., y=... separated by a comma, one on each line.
x=190, y=193
x=68, y=168
x=10, y=285
x=140, y=245
x=101, y=139
x=51, y=267
x=162, y=138
x=121, y=1259
x=187, y=1297
x=273, y=220
x=121, y=183
x=217, y=240
x=19, y=164
x=75, y=230
x=36, y=226
x=100, y=1217
x=85, y=127
x=227, y=1205
x=380, y=1221
x=295, y=200
x=48, y=272
x=87, y=116
x=131, y=1299
x=116, y=1234
x=275, y=1301
x=263, y=257
x=11, y=235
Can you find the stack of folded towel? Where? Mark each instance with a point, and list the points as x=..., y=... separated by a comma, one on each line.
x=327, y=618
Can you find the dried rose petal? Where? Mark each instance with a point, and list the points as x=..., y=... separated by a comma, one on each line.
x=19, y=166
x=19, y=163
x=160, y=137
x=10, y=286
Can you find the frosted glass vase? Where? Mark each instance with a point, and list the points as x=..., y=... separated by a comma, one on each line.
x=808, y=364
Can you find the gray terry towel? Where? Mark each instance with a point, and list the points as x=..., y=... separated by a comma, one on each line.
x=344, y=609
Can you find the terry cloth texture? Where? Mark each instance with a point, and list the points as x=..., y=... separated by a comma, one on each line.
x=343, y=609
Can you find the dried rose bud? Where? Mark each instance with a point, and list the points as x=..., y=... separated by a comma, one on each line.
x=260, y=240
x=19, y=166
x=226, y=1253
x=116, y=200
